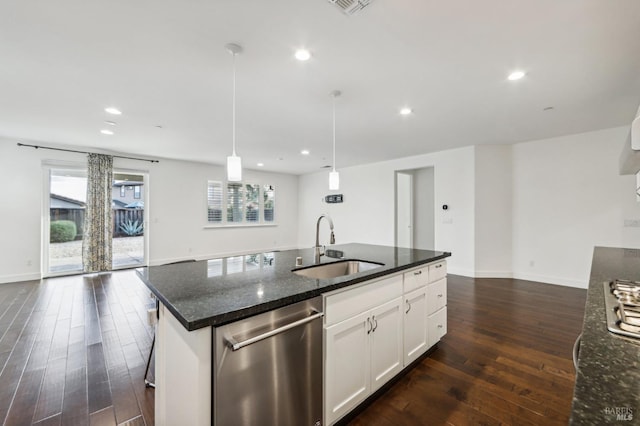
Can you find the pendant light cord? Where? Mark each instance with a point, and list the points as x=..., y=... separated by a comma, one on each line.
x=334, y=132
x=234, y=106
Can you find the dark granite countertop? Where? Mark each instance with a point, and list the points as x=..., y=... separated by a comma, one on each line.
x=218, y=291
x=608, y=377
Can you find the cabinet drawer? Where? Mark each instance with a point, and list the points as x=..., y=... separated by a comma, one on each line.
x=437, y=326
x=437, y=271
x=416, y=278
x=436, y=295
x=352, y=301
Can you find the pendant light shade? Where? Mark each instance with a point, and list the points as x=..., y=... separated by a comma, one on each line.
x=334, y=180
x=234, y=163
x=234, y=168
x=334, y=176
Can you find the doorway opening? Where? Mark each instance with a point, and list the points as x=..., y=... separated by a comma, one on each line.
x=415, y=208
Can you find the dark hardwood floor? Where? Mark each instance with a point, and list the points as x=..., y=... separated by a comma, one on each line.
x=73, y=351
x=506, y=359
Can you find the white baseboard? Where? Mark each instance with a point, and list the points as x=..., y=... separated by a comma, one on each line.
x=568, y=282
x=4, y=279
x=494, y=274
x=458, y=271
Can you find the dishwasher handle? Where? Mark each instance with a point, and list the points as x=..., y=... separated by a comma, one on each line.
x=234, y=345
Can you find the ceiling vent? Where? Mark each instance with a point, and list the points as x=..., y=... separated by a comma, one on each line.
x=351, y=7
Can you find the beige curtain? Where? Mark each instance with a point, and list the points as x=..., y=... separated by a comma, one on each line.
x=97, y=237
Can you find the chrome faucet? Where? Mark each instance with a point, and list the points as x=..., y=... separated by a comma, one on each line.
x=332, y=238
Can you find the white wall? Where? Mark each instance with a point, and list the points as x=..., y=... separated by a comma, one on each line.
x=532, y=210
x=177, y=206
x=367, y=215
x=567, y=198
x=493, y=211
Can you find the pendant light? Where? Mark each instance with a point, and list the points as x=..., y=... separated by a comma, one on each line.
x=234, y=163
x=334, y=176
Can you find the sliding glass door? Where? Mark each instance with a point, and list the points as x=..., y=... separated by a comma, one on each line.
x=65, y=202
x=67, y=196
x=128, y=201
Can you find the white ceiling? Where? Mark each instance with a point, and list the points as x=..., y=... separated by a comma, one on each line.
x=163, y=62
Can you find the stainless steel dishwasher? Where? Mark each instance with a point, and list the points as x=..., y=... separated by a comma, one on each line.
x=268, y=368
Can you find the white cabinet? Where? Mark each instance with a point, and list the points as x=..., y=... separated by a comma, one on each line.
x=347, y=366
x=437, y=326
x=415, y=324
x=375, y=329
x=436, y=295
x=437, y=271
x=416, y=278
x=362, y=353
x=386, y=342
x=437, y=311
x=425, y=300
x=363, y=343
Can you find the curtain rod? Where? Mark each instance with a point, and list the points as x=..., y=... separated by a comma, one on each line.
x=85, y=152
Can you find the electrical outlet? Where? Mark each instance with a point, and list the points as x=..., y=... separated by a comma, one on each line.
x=532, y=263
x=29, y=262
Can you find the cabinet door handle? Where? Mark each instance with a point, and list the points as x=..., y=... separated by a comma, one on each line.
x=409, y=307
x=417, y=273
x=370, y=324
x=440, y=295
x=439, y=265
x=440, y=326
x=375, y=327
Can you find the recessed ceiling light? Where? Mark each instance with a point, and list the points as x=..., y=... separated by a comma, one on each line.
x=110, y=123
x=114, y=111
x=305, y=152
x=303, y=55
x=106, y=132
x=516, y=75
x=260, y=164
x=406, y=111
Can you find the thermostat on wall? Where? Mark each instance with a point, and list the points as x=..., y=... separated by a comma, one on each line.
x=334, y=198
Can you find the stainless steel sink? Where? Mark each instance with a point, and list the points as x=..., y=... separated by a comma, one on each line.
x=336, y=269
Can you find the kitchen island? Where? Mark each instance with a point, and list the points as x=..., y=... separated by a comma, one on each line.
x=198, y=297
x=607, y=385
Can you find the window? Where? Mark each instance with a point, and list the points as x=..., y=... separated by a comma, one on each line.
x=268, y=193
x=234, y=202
x=245, y=203
x=252, y=206
x=136, y=192
x=214, y=202
x=122, y=194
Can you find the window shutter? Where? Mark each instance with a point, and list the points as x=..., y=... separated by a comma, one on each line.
x=235, y=202
x=214, y=202
x=268, y=194
x=252, y=206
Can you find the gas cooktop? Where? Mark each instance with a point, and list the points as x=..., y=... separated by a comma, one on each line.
x=622, y=300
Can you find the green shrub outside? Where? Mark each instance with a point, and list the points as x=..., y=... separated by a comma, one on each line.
x=62, y=231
